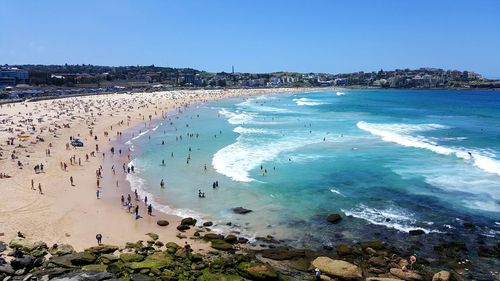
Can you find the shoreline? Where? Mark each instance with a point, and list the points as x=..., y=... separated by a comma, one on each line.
x=72, y=214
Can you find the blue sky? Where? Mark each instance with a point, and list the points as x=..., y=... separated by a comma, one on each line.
x=255, y=36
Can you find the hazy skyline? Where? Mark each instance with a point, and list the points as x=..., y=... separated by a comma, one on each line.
x=256, y=36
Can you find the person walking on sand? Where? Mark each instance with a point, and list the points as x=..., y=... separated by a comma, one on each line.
x=40, y=188
x=136, y=211
x=98, y=237
x=71, y=180
x=97, y=193
x=150, y=210
x=32, y=184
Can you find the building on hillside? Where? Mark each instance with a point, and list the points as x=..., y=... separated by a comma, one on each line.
x=11, y=76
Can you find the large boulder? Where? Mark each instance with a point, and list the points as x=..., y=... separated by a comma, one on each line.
x=232, y=239
x=162, y=223
x=416, y=232
x=257, y=271
x=337, y=268
x=102, y=249
x=26, y=245
x=406, y=275
x=108, y=258
x=73, y=260
x=95, y=267
x=158, y=260
x=221, y=245
x=183, y=227
x=333, y=218
x=61, y=250
x=188, y=221
x=24, y=262
x=441, y=276
x=131, y=257
x=6, y=269
x=282, y=253
x=241, y=210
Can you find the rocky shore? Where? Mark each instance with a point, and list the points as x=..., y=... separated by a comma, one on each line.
x=231, y=258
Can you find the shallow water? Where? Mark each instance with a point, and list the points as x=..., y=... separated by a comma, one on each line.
x=394, y=160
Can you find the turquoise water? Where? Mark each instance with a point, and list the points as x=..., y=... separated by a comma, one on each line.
x=389, y=161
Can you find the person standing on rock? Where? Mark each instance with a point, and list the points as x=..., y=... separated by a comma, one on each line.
x=317, y=274
x=98, y=237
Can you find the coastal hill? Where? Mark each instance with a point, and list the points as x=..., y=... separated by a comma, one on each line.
x=39, y=80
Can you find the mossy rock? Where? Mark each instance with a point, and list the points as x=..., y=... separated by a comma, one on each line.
x=343, y=250
x=95, y=267
x=137, y=245
x=158, y=260
x=153, y=236
x=108, y=258
x=26, y=245
x=159, y=244
x=172, y=247
x=61, y=250
x=195, y=257
x=131, y=257
x=376, y=245
x=257, y=271
x=223, y=262
x=221, y=245
x=75, y=259
x=39, y=253
x=208, y=276
x=102, y=249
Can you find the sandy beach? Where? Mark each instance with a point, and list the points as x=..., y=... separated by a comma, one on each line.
x=66, y=213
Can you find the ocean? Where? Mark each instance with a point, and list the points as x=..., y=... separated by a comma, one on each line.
x=388, y=161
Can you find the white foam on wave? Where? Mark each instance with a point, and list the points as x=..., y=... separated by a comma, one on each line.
x=254, y=106
x=340, y=94
x=307, y=102
x=336, y=192
x=242, y=130
x=140, y=135
x=238, y=159
x=236, y=118
x=157, y=126
x=395, y=218
x=400, y=134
